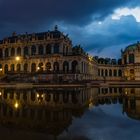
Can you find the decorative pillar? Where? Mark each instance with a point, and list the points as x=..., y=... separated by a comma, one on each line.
x=3, y=52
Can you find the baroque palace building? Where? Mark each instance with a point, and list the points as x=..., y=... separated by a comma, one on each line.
x=50, y=56
x=47, y=56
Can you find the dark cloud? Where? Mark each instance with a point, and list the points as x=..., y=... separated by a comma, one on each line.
x=30, y=15
x=75, y=15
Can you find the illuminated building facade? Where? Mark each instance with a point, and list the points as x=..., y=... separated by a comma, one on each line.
x=45, y=56
x=126, y=68
x=50, y=56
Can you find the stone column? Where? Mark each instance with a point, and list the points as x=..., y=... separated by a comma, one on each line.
x=15, y=51
x=3, y=52
x=52, y=49
x=44, y=49
x=9, y=51
x=37, y=52
x=22, y=51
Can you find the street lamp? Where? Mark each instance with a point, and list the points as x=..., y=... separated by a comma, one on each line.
x=17, y=58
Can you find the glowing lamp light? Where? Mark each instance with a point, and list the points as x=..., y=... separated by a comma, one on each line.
x=0, y=93
x=17, y=58
x=0, y=69
x=38, y=68
x=126, y=92
x=90, y=58
x=37, y=95
x=16, y=105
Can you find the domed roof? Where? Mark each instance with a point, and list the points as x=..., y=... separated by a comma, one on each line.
x=132, y=46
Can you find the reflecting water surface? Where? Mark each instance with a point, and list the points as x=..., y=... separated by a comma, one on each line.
x=70, y=113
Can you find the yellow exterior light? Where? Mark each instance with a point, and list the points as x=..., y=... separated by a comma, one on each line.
x=126, y=92
x=90, y=58
x=37, y=95
x=0, y=93
x=16, y=105
x=38, y=68
x=17, y=58
x=0, y=69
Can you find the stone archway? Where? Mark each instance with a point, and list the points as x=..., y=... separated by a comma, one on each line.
x=66, y=66
x=74, y=66
x=18, y=67
x=56, y=66
x=33, y=67
x=6, y=69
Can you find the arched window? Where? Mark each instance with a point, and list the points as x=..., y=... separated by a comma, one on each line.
x=33, y=50
x=48, y=66
x=115, y=72
x=102, y=72
x=26, y=51
x=131, y=58
x=1, y=53
x=74, y=66
x=98, y=72
x=40, y=50
x=106, y=73
x=6, y=69
x=6, y=52
x=18, y=67
x=65, y=66
x=56, y=48
x=33, y=97
x=12, y=67
x=48, y=49
x=120, y=73
x=110, y=72
x=19, y=51
x=12, y=51
x=33, y=67
x=56, y=66
x=25, y=67
x=40, y=67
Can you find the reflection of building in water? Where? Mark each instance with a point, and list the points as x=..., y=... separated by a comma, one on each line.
x=131, y=102
x=46, y=109
x=108, y=95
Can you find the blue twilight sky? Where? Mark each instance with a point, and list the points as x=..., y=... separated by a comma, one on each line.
x=102, y=27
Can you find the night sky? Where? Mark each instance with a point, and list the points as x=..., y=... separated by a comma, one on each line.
x=102, y=27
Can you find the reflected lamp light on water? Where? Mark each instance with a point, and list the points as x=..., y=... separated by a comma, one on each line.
x=16, y=105
x=126, y=92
